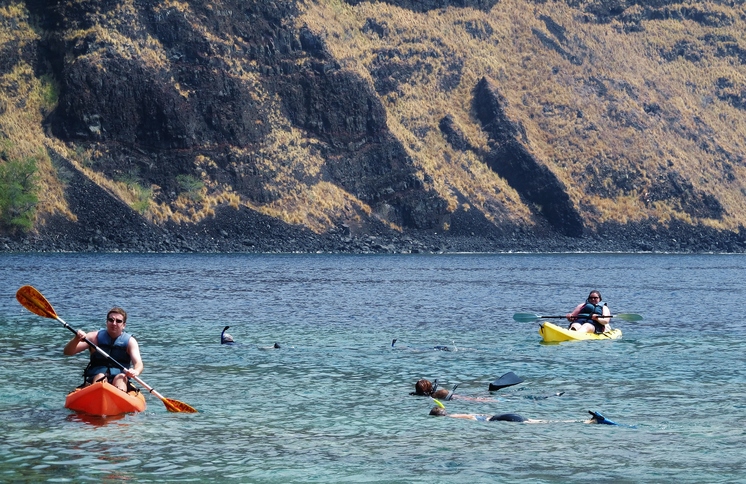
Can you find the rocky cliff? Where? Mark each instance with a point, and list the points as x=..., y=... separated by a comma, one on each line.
x=392, y=126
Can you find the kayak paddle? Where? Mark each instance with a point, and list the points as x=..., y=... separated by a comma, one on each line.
x=34, y=301
x=530, y=317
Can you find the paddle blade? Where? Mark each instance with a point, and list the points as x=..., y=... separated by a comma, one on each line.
x=628, y=317
x=526, y=317
x=176, y=406
x=31, y=299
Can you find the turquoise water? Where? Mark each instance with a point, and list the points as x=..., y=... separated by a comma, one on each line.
x=332, y=404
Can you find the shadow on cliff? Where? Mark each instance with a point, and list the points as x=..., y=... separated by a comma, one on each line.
x=509, y=158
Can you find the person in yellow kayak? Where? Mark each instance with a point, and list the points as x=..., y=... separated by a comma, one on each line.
x=588, y=317
x=120, y=345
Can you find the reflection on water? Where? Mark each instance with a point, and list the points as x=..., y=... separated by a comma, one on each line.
x=94, y=420
x=333, y=404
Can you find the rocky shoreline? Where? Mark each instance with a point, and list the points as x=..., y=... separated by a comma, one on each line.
x=270, y=236
x=105, y=224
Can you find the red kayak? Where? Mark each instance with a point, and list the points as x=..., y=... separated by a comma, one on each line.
x=101, y=398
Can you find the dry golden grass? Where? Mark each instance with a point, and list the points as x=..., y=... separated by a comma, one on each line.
x=327, y=202
x=421, y=105
x=146, y=50
x=16, y=12
x=285, y=157
x=546, y=102
x=289, y=162
x=24, y=100
x=620, y=74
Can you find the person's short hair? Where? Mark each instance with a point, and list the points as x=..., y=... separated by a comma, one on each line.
x=440, y=393
x=438, y=411
x=118, y=310
x=423, y=387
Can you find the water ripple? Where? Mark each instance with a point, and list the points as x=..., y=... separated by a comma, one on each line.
x=333, y=404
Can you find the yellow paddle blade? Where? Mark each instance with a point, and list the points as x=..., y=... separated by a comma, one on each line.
x=177, y=406
x=31, y=299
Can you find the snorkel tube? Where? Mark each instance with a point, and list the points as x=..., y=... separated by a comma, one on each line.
x=450, y=394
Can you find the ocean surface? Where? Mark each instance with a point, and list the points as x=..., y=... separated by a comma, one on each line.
x=333, y=404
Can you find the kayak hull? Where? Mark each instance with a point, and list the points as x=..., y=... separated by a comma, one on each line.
x=551, y=333
x=102, y=398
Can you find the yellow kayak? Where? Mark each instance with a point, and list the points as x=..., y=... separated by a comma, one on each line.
x=555, y=334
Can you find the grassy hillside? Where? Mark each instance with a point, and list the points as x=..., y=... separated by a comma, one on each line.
x=25, y=98
x=638, y=111
x=637, y=122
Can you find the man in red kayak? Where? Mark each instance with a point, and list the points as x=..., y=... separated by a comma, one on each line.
x=119, y=345
x=588, y=317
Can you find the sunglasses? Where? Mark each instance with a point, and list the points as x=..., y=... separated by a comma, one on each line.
x=114, y=320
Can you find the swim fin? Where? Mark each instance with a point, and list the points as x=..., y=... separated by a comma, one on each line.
x=603, y=420
x=507, y=380
x=600, y=419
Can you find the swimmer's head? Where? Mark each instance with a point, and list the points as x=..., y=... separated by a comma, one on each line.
x=423, y=387
x=438, y=411
x=441, y=393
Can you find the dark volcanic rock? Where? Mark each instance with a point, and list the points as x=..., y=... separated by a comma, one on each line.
x=692, y=201
x=228, y=70
x=103, y=221
x=153, y=121
x=455, y=136
x=511, y=160
x=427, y=5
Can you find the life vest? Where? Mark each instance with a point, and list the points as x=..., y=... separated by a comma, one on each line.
x=116, y=349
x=590, y=309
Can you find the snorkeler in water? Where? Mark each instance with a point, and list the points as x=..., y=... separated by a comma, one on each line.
x=439, y=410
x=225, y=338
x=597, y=418
x=424, y=388
x=275, y=346
x=436, y=347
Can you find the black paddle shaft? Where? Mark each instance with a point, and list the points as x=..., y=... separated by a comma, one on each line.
x=92, y=345
x=578, y=316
